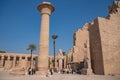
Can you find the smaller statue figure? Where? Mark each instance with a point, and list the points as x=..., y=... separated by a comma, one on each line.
x=60, y=52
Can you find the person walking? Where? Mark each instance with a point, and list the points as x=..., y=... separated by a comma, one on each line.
x=51, y=71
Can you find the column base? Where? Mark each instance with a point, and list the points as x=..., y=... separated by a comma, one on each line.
x=86, y=71
x=42, y=71
x=89, y=72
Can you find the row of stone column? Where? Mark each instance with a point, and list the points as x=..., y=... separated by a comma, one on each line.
x=6, y=60
x=15, y=57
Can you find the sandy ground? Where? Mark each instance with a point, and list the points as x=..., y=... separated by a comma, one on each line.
x=6, y=76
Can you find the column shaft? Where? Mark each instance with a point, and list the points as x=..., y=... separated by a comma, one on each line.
x=44, y=43
x=14, y=62
x=45, y=8
x=2, y=61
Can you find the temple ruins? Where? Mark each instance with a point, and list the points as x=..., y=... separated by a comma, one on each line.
x=96, y=47
x=102, y=40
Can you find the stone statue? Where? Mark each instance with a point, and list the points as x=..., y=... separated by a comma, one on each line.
x=60, y=52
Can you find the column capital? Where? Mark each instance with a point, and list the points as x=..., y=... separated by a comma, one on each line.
x=46, y=8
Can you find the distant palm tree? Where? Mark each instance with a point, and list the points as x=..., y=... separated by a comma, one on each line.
x=2, y=51
x=54, y=37
x=31, y=47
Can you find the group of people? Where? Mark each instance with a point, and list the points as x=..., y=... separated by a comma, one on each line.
x=31, y=71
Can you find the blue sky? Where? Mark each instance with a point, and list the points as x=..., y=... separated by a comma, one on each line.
x=20, y=22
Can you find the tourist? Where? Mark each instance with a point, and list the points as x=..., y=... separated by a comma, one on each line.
x=72, y=71
x=33, y=71
x=51, y=71
x=28, y=71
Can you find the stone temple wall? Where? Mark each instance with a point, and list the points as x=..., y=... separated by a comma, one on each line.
x=16, y=63
x=110, y=41
x=96, y=48
x=103, y=35
x=12, y=61
x=80, y=38
x=105, y=44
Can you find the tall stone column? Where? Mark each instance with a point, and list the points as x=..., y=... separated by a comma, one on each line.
x=46, y=9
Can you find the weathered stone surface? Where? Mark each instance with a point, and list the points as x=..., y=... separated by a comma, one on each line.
x=104, y=42
x=79, y=43
x=16, y=63
x=102, y=50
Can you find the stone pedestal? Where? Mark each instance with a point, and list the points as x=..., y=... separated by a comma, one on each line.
x=89, y=71
x=45, y=8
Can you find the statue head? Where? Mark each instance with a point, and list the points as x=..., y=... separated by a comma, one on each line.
x=60, y=52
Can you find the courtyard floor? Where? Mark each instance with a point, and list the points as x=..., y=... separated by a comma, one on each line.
x=56, y=76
